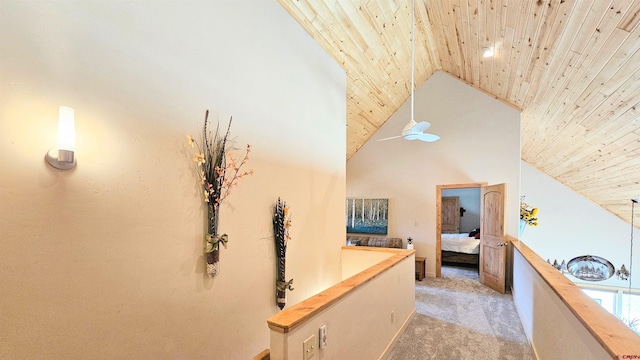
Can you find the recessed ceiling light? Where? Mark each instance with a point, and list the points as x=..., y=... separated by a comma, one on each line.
x=487, y=52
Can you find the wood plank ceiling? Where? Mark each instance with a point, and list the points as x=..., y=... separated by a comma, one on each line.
x=571, y=66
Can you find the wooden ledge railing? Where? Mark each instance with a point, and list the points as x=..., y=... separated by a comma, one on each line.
x=289, y=318
x=264, y=355
x=614, y=336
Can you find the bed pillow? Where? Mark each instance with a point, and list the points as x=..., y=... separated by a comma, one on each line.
x=477, y=236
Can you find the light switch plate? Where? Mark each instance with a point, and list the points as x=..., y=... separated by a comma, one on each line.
x=323, y=336
x=309, y=348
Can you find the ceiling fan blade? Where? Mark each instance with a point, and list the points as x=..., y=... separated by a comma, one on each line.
x=389, y=138
x=421, y=126
x=427, y=137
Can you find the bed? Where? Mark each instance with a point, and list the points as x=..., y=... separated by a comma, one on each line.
x=460, y=249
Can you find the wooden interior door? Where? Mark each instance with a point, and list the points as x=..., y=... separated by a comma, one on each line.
x=451, y=215
x=493, y=248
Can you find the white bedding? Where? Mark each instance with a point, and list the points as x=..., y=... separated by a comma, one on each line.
x=461, y=243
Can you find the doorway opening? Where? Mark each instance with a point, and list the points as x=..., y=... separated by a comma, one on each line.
x=457, y=217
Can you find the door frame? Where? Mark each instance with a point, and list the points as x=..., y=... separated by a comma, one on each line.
x=439, y=189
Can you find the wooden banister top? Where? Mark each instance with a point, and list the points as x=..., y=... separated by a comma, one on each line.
x=611, y=333
x=289, y=318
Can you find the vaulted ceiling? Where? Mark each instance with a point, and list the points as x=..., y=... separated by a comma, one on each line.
x=571, y=66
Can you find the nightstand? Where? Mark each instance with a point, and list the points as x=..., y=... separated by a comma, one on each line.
x=420, y=267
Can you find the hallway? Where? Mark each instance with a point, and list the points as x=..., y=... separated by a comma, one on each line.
x=459, y=318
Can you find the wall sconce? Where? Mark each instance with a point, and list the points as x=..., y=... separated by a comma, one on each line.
x=63, y=157
x=488, y=52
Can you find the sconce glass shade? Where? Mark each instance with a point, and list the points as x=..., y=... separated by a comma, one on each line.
x=66, y=129
x=63, y=157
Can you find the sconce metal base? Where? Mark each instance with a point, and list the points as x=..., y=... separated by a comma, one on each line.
x=61, y=159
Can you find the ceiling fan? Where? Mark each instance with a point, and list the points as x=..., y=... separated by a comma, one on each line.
x=414, y=130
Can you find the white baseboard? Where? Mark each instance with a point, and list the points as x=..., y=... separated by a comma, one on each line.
x=386, y=351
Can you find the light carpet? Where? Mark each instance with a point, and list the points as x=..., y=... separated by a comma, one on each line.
x=459, y=318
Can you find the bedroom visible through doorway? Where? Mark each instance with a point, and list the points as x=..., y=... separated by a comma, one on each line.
x=458, y=225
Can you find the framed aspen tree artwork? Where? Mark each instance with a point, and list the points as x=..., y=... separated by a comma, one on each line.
x=367, y=216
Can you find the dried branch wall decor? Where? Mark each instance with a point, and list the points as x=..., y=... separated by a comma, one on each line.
x=218, y=172
x=281, y=225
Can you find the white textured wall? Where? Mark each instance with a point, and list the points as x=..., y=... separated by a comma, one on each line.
x=553, y=330
x=105, y=261
x=480, y=142
x=359, y=325
x=570, y=225
x=355, y=259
